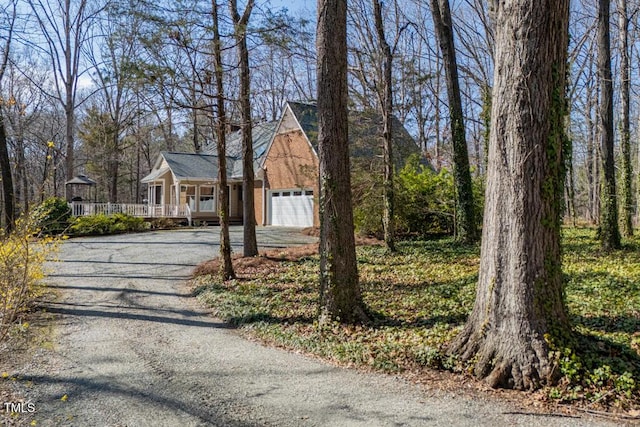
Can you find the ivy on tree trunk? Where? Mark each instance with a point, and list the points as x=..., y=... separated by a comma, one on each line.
x=519, y=305
x=625, y=133
x=466, y=229
x=609, y=230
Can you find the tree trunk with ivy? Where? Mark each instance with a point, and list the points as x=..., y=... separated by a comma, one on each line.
x=625, y=133
x=519, y=305
x=609, y=229
x=226, y=269
x=466, y=229
x=340, y=297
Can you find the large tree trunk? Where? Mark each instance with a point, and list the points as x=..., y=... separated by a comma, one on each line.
x=248, y=205
x=592, y=215
x=340, y=297
x=386, y=103
x=519, y=302
x=625, y=134
x=70, y=84
x=466, y=229
x=221, y=127
x=7, y=179
x=5, y=163
x=609, y=230
x=437, y=117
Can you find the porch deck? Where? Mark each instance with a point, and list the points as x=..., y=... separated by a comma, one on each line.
x=139, y=210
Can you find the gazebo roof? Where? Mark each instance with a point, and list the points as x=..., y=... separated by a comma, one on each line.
x=81, y=180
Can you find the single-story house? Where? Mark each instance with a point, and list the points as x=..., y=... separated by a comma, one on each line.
x=285, y=165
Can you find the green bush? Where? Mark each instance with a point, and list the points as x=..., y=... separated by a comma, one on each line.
x=367, y=203
x=424, y=200
x=52, y=216
x=107, y=224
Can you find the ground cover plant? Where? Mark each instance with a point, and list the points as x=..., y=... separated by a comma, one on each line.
x=419, y=299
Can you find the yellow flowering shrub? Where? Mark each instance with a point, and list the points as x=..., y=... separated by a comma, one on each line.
x=22, y=258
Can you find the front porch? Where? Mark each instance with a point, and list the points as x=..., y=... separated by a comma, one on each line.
x=149, y=212
x=139, y=210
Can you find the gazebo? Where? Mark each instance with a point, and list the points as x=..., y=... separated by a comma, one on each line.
x=85, y=183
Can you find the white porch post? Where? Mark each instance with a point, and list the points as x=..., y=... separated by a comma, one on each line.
x=178, y=194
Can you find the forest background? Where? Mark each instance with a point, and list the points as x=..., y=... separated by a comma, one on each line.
x=101, y=87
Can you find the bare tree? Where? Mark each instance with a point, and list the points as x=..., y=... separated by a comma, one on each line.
x=221, y=128
x=64, y=28
x=5, y=164
x=340, y=297
x=248, y=206
x=609, y=230
x=385, y=93
x=466, y=228
x=112, y=54
x=519, y=301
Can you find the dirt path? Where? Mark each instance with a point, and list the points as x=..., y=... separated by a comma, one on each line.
x=132, y=349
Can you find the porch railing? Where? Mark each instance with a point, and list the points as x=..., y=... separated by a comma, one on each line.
x=146, y=211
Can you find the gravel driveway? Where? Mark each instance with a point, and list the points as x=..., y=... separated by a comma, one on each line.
x=131, y=348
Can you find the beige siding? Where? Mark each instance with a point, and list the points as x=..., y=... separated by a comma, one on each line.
x=288, y=122
x=291, y=163
x=258, y=202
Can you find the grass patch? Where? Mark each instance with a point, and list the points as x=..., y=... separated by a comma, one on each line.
x=419, y=300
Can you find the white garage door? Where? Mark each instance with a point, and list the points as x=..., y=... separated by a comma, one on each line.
x=292, y=208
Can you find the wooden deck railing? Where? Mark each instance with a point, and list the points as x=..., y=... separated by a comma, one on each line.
x=145, y=211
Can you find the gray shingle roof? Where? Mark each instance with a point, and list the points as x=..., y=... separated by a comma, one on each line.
x=307, y=116
x=199, y=166
x=189, y=166
x=204, y=166
x=80, y=180
x=261, y=133
x=365, y=132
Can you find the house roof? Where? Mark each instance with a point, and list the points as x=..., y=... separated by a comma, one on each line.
x=204, y=166
x=190, y=166
x=81, y=180
x=307, y=117
x=365, y=132
x=262, y=134
x=186, y=166
x=154, y=174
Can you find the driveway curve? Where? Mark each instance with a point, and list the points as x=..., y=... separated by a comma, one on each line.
x=132, y=348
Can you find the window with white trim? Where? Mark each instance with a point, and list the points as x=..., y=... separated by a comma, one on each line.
x=188, y=196
x=207, y=198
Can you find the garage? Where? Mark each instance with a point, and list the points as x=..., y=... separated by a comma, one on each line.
x=292, y=208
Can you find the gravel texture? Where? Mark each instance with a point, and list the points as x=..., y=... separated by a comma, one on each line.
x=132, y=348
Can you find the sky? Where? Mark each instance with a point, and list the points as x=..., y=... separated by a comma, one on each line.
x=296, y=6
